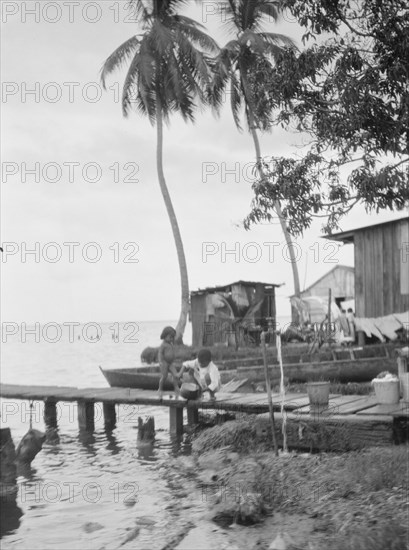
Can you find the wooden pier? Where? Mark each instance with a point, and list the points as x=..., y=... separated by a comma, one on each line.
x=346, y=408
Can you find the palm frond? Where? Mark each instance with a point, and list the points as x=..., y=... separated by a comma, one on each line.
x=170, y=67
x=277, y=39
x=270, y=9
x=140, y=9
x=160, y=37
x=118, y=58
x=196, y=59
x=249, y=15
x=197, y=36
x=235, y=99
x=130, y=88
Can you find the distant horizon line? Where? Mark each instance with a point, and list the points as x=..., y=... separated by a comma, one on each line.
x=169, y=321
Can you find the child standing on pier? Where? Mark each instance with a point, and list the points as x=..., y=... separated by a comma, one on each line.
x=203, y=372
x=166, y=356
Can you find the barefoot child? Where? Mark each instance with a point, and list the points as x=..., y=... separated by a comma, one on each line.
x=203, y=372
x=166, y=356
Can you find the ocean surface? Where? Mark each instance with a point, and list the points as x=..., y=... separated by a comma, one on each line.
x=88, y=490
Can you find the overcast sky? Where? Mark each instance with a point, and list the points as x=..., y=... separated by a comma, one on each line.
x=76, y=133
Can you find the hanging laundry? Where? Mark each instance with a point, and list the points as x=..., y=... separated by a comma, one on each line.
x=239, y=296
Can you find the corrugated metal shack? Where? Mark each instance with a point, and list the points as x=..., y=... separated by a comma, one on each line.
x=381, y=267
x=231, y=314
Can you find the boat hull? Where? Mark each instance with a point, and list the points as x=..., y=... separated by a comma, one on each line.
x=356, y=370
x=136, y=378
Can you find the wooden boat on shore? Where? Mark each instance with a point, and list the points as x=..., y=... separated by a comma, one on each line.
x=145, y=378
x=345, y=365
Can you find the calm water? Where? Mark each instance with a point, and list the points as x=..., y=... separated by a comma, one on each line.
x=88, y=490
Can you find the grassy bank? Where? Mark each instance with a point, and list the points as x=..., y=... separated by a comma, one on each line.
x=354, y=501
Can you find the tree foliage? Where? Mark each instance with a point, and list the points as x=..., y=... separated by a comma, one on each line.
x=168, y=72
x=348, y=92
x=251, y=47
x=168, y=62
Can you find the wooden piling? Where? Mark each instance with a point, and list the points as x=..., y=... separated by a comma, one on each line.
x=109, y=415
x=192, y=415
x=50, y=412
x=86, y=415
x=358, y=408
x=176, y=421
x=361, y=338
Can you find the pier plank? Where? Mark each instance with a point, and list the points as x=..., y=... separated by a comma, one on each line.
x=400, y=409
x=371, y=422
x=338, y=404
x=365, y=402
x=17, y=391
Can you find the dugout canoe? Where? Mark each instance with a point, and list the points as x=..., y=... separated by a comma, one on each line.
x=145, y=378
x=339, y=370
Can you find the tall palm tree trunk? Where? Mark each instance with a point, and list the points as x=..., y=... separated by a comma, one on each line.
x=180, y=327
x=287, y=236
x=277, y=206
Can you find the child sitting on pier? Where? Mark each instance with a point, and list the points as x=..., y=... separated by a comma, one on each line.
x=166, y=356
x=203, y=372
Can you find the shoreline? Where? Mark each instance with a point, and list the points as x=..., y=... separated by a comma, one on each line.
x=356, y=500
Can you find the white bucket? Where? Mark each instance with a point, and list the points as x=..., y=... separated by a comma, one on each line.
x=387, y=392
x=404, y=384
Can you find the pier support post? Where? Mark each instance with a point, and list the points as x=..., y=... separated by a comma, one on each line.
x=50, y=412
x=109, y=415
x=192, y=415
x=86, y=415
x=176, y=421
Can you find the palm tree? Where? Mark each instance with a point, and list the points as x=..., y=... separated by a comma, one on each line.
x=168, y=71
x=239, y=65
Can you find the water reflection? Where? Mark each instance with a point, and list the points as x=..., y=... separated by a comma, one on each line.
x=112, y=445
x=52, y=437
x=26, y=470
x=176, y=444
x=146, y=451
x=88, y=441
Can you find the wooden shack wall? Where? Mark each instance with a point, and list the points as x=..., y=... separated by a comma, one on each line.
x=341, y=281
x=379, y=270
x=198, y=315
x=217, y=329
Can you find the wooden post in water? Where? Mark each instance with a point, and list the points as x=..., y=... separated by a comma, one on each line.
x=268, y=386
x=50, y=412
x=146, y=431
x=86, y=415
x=192, y=415
x=176, y=420
x=109, y=415
x=329, y=331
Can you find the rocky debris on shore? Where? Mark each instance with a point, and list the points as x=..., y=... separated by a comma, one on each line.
x=323, y=500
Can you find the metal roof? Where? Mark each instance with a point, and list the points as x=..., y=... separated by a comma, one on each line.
x=348, y=236
x=224, y=287
x=338, y=266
